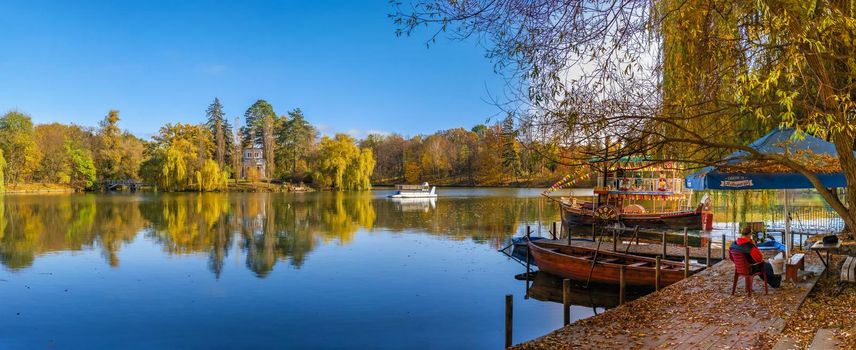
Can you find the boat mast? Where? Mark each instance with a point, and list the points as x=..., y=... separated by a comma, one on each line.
x=605, y=168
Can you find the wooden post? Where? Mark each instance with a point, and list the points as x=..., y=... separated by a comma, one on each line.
x=802, y=241
x=593, y=237
x=723, y=246
x=686, y=254
x=528, y=258
x=528, y=271
x=509, y=315
x=569, y=235
x=566, y=300
x=615, y=235
x=621, y=284
x=708, y=252
x=554, y=232
x=657, y=273
x=664, y=244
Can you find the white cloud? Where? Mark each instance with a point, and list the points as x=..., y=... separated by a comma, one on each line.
x=326, y=130
x=378, y=132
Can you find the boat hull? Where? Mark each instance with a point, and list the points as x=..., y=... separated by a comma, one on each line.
x=414, y=196
x=692, y=220
x=575, y=263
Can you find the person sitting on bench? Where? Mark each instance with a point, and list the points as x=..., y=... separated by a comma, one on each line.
x=747, y=246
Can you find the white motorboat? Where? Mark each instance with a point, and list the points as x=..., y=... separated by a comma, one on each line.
x=414, y=191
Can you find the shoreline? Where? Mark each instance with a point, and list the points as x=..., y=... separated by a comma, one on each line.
x=232, y=187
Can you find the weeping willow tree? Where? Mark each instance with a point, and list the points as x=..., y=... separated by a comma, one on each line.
x=702, y=62
x=687, y=80
x=2, y=172
x=343, y=165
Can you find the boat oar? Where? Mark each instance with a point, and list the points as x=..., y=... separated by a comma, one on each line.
x=636, y=236
x=551, y=198
x=594, y=260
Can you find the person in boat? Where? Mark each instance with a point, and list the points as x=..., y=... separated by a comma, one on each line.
x=747, y=246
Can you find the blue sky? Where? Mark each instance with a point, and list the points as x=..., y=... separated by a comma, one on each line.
x=164, y=61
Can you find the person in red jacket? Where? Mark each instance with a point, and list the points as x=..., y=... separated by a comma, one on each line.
x=747, y=246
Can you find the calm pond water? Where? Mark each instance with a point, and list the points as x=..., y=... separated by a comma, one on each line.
x=317, y=270
x=244, y=270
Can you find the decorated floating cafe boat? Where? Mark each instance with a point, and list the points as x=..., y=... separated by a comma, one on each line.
x=581, y=263
x=636, y=192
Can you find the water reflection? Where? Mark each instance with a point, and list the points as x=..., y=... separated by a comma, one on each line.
x=34, y=225
x=547, y=287
x=266, y=228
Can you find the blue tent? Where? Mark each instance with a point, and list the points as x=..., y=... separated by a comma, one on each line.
x=779, y=141
x=776, y=142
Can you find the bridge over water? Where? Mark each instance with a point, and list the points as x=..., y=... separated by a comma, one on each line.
x=131, y=184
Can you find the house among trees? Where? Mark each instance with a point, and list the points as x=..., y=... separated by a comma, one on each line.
x=253, y=163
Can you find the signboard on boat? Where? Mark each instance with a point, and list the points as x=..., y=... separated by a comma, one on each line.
x=736, y=182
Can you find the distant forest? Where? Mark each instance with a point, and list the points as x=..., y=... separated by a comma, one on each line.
x=207, y=156
x=485, y=155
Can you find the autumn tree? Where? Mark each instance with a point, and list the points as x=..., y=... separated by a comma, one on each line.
x=180, y=159
x=118, y=154
x=237, y=153
x=342, y=165
x=510, y=148
x=57, y=144
x=108, y=152
x=51, y=139
x=210, y=177
x=80, y=166
x=454, y=156
x=389, y=155
x=220, y=131
x=19, y=146
x=358, y=174
x=2, y=172
x=679, y=80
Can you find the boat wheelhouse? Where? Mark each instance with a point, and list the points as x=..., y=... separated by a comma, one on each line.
x=637, y=191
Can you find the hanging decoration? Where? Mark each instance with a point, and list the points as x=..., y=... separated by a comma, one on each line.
x=567, y=181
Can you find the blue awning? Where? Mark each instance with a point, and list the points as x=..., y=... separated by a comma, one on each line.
x=778, y=141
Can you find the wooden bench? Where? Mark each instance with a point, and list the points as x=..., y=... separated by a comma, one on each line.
x=848, y=270
x=795, y=263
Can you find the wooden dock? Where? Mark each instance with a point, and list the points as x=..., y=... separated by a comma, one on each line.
x=673, y=250
x=696, y=313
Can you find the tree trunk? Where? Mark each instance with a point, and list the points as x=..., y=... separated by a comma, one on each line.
x=843, y=145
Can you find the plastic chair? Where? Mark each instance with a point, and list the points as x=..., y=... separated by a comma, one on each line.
x=742, y=267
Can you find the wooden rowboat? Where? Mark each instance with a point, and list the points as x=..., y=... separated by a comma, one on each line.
x=690, y=219
x=576, y=263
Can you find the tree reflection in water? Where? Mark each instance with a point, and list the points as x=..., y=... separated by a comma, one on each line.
x=267, y=228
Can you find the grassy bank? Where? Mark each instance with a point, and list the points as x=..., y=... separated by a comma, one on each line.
x=259, y=186
x=232, y=186
x=38, y=188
